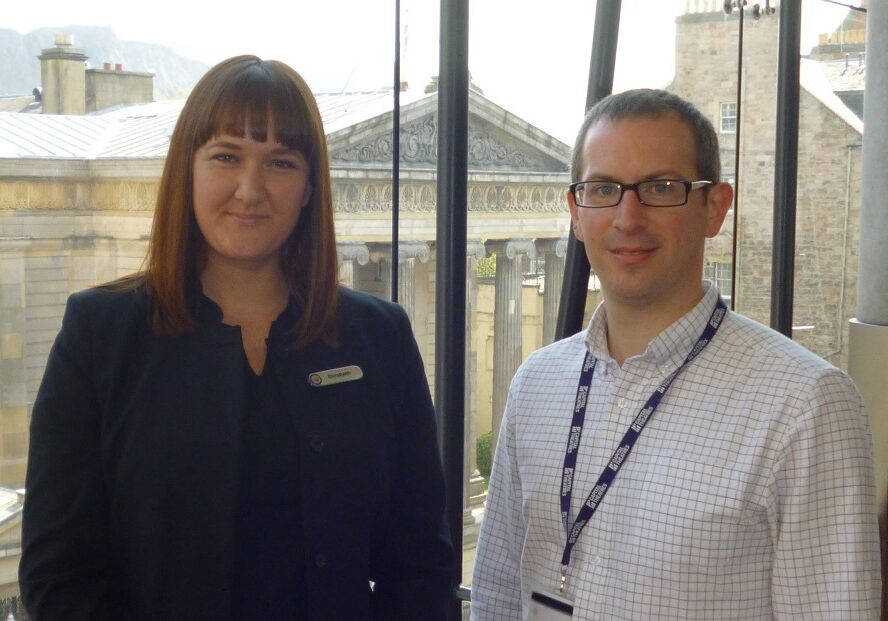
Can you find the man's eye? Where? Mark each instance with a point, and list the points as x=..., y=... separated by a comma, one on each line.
x=605, y=190
x=661, y=187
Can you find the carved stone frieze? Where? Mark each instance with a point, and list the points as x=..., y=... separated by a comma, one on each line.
x=372, y=197
x=419, y=146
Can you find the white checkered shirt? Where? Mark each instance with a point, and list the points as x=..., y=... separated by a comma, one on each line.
x=749, y=495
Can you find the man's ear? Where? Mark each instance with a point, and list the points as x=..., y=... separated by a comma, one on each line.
x=718, y=201
x=574, y=216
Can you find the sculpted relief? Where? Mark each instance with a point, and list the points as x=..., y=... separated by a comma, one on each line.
x=370, y=196
x=419, y=140
x=490, y=150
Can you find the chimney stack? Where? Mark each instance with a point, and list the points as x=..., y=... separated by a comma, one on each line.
x=63, y=72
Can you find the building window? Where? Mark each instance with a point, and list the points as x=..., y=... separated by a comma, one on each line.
x=721, y=274
x=728, y=118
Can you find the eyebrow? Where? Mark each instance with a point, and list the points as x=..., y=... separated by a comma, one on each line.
x=661, y=174
x=227, y=144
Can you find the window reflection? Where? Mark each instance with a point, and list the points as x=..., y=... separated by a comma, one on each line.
x=74, y=215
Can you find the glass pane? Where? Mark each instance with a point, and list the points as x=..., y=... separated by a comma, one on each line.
x=692, y=49
x=76, y=207
x=832, y=76
x=523, y=116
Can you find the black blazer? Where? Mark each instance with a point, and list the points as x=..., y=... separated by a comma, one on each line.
x=133, y=469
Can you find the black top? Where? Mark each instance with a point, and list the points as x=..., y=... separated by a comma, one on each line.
x=269, y=571
x=132, y=508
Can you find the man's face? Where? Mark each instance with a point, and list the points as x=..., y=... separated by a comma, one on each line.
x=648, y=258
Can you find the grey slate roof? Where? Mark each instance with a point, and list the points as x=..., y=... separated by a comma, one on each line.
x=815, y=80
x=143, y=130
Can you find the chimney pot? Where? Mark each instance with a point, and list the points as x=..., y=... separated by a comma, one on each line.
x=64, y=40
x=106, y=66
x=118, y=67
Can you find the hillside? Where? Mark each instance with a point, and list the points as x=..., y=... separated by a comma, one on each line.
x=20, y=67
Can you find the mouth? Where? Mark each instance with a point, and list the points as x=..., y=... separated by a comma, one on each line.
x=632, y=255
x=247, y=218
x=630, y=252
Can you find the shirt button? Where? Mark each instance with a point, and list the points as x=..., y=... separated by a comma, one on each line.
x=316, y=444
x=320, y=560
x=621, y=402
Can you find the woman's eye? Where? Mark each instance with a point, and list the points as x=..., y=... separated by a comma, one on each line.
x=224, y=157
x=284, y=164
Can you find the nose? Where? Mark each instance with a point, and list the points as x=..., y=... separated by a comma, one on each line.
x=630, y=213
x=250, y=184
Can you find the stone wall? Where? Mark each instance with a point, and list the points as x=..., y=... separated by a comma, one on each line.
x=828, y=194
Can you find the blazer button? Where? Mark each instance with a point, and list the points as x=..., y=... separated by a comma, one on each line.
x=320, y=560
x=316, y=444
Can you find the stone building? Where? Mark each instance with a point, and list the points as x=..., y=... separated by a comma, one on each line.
x=77, y=195
x=829, y=164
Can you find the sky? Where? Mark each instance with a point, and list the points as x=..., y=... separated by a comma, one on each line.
x=535, y=63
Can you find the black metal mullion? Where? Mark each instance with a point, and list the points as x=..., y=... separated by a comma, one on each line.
x=572, y=304
x=737, y=129
x=450, y=294
x=396, y=152
x=786, y=167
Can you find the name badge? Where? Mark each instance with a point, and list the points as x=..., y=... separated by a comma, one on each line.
x=548, y=607
x=319, y=379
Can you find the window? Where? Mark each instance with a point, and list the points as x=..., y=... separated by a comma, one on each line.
x=721, y=274
x=727, y=118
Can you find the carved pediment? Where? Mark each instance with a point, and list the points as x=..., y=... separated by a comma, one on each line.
x=497, y=141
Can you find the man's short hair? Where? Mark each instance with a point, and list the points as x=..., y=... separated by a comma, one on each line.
x=654, y=103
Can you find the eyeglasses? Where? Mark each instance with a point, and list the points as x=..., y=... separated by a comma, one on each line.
x=655, y=193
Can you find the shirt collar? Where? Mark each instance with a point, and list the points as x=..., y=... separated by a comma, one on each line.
x=209, y=313
x=672, y=345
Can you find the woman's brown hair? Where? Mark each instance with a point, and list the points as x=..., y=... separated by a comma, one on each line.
x=243, y=94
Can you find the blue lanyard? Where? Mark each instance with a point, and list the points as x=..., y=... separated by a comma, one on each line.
x=593, y=501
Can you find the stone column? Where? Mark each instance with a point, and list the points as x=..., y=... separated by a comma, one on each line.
x=381, y=286
x=13, y=364
x=349, y=253
x=868, y=332
x=408, y=254
x=554, y=251
x=507, y=341
x=473, y=483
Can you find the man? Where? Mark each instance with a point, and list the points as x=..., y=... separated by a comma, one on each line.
x=675, y=460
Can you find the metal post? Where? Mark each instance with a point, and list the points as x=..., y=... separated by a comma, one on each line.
x=450, y=296
x=601, y=82
x=737, y=129
x=786, y=166
x=396, y=151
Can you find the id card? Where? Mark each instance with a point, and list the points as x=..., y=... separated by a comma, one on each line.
x=548, y=607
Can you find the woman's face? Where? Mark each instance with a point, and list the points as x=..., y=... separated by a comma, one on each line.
x=248, y=196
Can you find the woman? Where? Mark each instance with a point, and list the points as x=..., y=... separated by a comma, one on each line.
x=228, y=434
